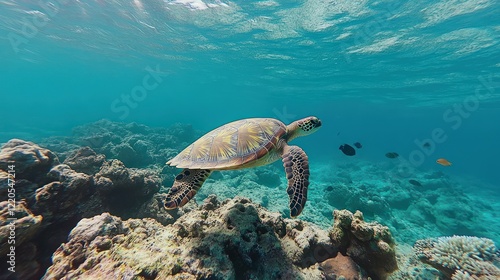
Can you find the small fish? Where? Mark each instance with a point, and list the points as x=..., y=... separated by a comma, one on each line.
x=392, y=155
x=415, y=183
x=443, y=162
x=358, y=145
x=347, y=150
x=426, y=145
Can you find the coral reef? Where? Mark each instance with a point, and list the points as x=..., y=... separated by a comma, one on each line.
x=124, y=188
x=460, y=257
x=26, y=224
x=85, y=160
x=154, y=208
x=134, y=144
x=235, y=239
x=31, y=161
x=114, y=188
x=18, y=230
x=368, y=244
x=439, y=206
x=64, y=197
x=50, y=198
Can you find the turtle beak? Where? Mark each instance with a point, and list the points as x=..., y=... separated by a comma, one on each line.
x=316, y=122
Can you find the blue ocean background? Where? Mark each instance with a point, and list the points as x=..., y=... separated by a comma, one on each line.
x=384, y=73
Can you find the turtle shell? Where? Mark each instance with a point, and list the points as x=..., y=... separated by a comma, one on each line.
x=232, y=145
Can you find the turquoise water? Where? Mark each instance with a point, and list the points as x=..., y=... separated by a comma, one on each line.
x=380, y=72
x=384, y=73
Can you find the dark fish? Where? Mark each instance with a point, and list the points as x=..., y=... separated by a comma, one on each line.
x=358, y=145
x=392, y=155
x=426, y=145
x=347, y=150
x=415, y=183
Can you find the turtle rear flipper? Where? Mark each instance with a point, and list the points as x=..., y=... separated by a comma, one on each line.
x=297, y=172
x=186, y=184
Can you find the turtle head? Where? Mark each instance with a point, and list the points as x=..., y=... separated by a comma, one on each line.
x=303, y=127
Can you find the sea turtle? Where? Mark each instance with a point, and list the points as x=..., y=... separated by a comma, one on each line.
x=243, y=144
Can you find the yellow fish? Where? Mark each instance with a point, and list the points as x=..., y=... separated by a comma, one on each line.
x=443, y=162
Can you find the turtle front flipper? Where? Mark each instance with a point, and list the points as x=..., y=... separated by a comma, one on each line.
x=186, y=184
x=297, y=172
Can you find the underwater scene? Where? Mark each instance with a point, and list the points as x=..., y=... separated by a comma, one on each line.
x=228, y=139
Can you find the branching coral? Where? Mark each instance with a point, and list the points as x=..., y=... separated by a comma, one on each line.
x=460, y=257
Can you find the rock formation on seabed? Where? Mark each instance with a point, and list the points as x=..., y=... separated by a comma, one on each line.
x=235, y=239
x=50, y=198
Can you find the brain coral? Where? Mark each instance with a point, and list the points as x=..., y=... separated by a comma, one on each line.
x=460, y=257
